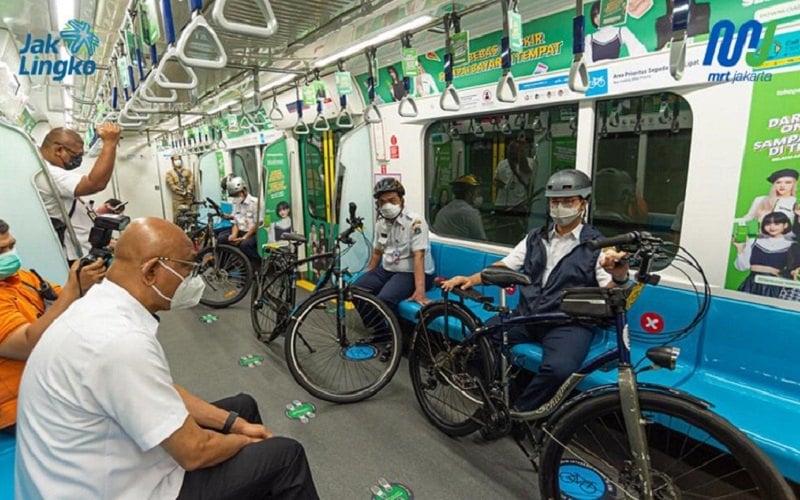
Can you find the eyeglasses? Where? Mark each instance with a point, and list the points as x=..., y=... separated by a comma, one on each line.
x=567, y=202
x=69, y=150
x=195, y=266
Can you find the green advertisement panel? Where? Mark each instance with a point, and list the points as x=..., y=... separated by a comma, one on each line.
x=765, y=253
x=277, y=191
x=646, y=27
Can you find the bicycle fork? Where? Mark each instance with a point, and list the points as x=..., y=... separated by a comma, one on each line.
x=634, y=423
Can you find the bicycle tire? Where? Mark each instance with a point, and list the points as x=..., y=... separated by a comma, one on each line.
x=349, y=372
x=436, y=363
x=580, y=437
x=270, y=309
x=227, y=273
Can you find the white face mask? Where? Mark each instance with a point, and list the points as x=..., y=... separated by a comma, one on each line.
x=178, y=163
x=390, y=210
x=477, y=201
x=564, y=216
x=188, y=293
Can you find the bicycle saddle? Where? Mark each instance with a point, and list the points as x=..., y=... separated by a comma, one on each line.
x=503, y=277
x=297, y=238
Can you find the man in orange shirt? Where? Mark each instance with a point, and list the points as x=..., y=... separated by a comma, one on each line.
x=25, y=314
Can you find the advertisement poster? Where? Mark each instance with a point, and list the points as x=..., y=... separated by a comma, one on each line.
x=639, y=27
x=277, y=191
x=765, y=253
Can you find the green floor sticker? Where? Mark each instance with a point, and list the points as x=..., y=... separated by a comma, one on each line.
x=251, y=360
x=297, y=410
x=209, y=318
x=385, y=490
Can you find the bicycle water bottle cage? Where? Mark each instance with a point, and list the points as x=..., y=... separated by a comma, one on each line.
x=503, y=277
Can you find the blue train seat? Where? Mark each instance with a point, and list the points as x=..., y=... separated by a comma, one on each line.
x=738, y=359
x=7, y=450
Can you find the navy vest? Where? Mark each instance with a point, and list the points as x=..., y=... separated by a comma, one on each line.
x=576, y=269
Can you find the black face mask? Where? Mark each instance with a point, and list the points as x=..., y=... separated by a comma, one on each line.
x=74, y=162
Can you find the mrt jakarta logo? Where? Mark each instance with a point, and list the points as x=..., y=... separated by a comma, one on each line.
x=728, y=51
x=80, y=43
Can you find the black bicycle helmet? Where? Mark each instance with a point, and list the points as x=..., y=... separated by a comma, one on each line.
x=388, y=185
x=569, y=182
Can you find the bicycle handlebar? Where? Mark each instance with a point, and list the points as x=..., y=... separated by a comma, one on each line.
x=355, y=222
x=215, y=206
x=620, y=239
x=470, y=293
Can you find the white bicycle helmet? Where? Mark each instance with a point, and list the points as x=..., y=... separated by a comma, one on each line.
x=235, y=185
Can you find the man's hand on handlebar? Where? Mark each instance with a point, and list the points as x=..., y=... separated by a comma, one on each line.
x=464, y=282
x=615, y=263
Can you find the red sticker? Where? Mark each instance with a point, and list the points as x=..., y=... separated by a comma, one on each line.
x=394, y=152
x=383, y=169
x=393, y=140
x=652, y=322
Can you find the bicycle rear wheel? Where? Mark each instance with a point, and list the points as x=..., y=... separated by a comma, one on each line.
x=694, y=453
x=227, y=273
x=445, y=372
x=349, y=368
x=270, y=306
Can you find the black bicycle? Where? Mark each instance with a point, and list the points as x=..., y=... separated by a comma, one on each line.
x=639, y=441
x=225, y=269
x=342, y=343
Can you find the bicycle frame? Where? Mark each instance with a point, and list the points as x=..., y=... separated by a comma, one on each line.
x=621, y=353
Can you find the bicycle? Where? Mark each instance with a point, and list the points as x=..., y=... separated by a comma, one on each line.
x=225, y=269
x=642, y=440
x=343, y=343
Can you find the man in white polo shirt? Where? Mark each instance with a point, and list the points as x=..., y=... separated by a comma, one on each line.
x=63, y=150
x=100, y=417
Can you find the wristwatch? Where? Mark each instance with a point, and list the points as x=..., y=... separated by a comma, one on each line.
x=619, y=281
x=226, y=429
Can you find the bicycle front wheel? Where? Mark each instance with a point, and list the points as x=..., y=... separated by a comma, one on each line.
x=345, y=352
x=445, y=373
x=270, y=306
x=694, y=453
x=228, y=274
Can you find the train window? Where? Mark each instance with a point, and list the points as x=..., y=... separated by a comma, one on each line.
x=246, y=167
x=485, y=176
x=640, y=164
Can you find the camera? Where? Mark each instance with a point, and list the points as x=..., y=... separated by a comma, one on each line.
x=100, y=237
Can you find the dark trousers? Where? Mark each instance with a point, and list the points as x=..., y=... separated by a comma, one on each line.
x=248, y=246
x=563, y=347
x=272, y=468
x=391, y=288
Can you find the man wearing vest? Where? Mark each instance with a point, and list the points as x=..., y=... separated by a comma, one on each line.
x=555, y=258
x=180, y=182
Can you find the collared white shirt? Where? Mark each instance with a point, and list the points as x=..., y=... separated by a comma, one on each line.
x=96, y=401
x=557, y=248
x=245, y=212
x=399, y=239
x=65, y=182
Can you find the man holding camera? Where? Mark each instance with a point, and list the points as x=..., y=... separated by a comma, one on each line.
x=63, y=150
x=99, y=413
x=28, y=305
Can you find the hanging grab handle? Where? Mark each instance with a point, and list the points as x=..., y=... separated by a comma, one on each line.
x=677, y=49
x=320, y=122
x=300, y=127
x=506, y=90
x=170, y=54
x=373, y=114
x=198, y=24
x=275, y=113
x=147, y=93
x=267, y=30
x=449, y=100
x=578, y=73
x=344, y=120
x=408, y=106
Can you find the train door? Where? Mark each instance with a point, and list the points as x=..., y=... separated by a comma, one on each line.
x=211, y=170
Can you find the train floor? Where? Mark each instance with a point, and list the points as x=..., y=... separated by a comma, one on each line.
x=349, y=447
